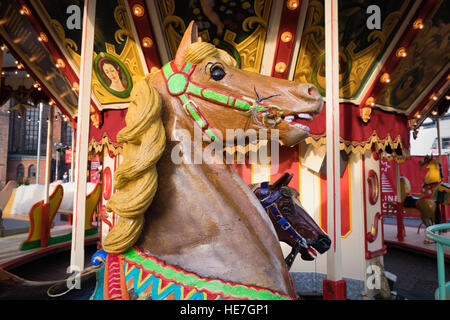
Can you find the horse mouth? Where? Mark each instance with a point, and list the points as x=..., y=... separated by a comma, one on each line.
x=296, y=127
x=293, y=120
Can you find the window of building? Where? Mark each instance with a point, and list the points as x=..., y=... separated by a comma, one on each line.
x=20, y=171
x=31, y=130
x=32, y=171
x=66, y=133
x=445, y=143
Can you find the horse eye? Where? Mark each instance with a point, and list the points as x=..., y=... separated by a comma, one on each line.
x=217, y=72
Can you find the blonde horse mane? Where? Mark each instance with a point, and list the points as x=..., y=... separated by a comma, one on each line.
x=144, y=141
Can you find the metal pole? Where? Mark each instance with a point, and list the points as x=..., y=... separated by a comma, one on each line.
x=400, y=224
x=84, y=103
x=38, y=164
x=334, y=286
x=442, y=208
x=57, y=165
x=441, y=270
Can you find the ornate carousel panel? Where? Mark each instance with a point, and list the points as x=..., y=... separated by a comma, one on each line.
x=428, y=56
x=117, y=65
x=360, y=47
x=24, y=41
x=238, y=27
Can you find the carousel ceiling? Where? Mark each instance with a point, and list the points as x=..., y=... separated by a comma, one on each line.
x=400, y=67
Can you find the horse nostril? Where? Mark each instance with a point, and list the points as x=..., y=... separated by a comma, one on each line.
x=308, y=91
x=313, y=92
x=322, y=243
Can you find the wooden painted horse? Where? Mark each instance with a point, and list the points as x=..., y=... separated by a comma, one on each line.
x=434, y=193
x=294, y=226
x=434, y=186
x=205, y=235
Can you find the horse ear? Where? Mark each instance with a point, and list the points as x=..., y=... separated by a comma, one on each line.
x=283, y=180
x=190, y=36
x=289, y=179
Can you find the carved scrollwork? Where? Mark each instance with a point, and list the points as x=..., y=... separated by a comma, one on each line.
x=120, y=15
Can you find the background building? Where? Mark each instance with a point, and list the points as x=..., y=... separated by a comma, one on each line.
x=19, y=144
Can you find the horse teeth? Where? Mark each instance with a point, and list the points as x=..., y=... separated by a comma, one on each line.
x=305, y=116
x=304, y=128
x=289, y=118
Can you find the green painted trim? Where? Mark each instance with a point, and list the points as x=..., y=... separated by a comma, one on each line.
x=187, y=67
x=59, y=239
x=90, y=232
x=67, y=237
x=190, y=279
x=30, y=245
x=167, y=70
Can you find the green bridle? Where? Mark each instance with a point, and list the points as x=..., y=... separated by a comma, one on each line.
x=179, y=85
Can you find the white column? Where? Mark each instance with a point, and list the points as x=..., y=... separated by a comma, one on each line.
x=438, y=128
x=84, y=102
x=334, y=263
x=48, y=159
x=72, y=163
x=38, y=164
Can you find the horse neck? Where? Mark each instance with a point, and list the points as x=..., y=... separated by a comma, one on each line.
x=205, y=219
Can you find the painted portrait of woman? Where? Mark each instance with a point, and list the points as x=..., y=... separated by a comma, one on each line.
x=406, y=86
x=113, y=75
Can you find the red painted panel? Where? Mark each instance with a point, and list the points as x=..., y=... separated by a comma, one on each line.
x=289, y=162
x=345, y=203
x=283, y=51
x=144, y=29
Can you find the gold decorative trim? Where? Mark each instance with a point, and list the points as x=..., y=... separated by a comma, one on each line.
x=96, y=147
x=250, y=50
x=312, y=47
x=364, y=146
x=129, y=55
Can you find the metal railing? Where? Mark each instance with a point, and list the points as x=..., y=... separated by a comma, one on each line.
x=431, y=233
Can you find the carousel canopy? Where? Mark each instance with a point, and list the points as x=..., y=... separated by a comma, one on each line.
x=394, y=56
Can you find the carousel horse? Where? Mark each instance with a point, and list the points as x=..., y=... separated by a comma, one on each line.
x=294, y=226
x=434, y=193
x=433, y=186
x=205, y=234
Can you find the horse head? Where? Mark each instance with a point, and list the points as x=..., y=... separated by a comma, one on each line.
x=202, y=88
x=425, y=162
x=434, y=173
x=287, y=212
x=218, y=97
